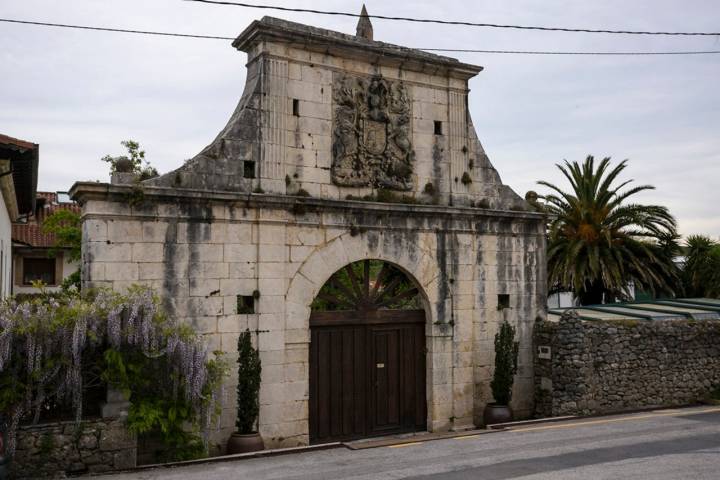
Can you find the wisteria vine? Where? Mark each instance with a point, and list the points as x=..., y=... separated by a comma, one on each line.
x=45, y=344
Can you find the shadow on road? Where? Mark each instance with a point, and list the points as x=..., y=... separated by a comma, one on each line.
x=530, y=466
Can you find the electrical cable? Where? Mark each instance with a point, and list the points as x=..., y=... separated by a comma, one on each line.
x=457, y=50
x=451, y=22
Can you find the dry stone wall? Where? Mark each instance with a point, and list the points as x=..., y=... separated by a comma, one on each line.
x=585, y=368
x=57, y=449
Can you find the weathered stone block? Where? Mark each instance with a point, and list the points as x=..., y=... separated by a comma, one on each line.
x=95, y=229
x=239, y=233
x=242, y=270
x=272, y=270
x=108, y=252
x=147, y=252
x=151, y=271
x=121, y=271
x=205, y=325
x=205, y=306
x=269, y=286
x=125, y=231
x=273, y=253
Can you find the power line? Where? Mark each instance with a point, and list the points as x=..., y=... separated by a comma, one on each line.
x=459, y=50
x=120, y=30
x=450, y=22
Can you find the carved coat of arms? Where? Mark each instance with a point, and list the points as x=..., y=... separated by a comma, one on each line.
x=372, y=143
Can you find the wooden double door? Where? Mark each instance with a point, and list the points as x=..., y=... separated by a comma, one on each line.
x=367, y=374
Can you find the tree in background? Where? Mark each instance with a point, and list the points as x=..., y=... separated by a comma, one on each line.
x=136, y=158
x=67, y=228
x=701, y=269
x=599, y=243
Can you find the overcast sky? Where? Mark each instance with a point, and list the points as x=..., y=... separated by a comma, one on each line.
x=79, y=93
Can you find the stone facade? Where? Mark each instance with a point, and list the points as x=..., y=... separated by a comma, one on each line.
x=592, y=367
x=280, y=137
x=259, y=212
x=57, y=449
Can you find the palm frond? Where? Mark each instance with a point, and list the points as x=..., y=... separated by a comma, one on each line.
x=597, y=241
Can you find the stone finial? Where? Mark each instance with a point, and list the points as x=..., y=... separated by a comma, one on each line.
x=364, y=27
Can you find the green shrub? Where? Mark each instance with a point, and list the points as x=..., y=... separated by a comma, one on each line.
x=248, y=389
x=506, y=355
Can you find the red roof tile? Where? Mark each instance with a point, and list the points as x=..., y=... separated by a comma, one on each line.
x=6, y=140
x=31, y=233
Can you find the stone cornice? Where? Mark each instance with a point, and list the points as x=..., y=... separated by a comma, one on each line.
x=358, y=73
x=350, y=46
x=84, y=191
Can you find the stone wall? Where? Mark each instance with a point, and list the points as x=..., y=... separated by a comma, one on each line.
x=56, y=449
x=328, y=123
x=200, y=250
x=592, y=367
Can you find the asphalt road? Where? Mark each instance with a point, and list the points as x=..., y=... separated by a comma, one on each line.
x=670, y=444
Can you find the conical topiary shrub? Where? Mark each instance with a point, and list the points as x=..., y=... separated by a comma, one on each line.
x=246, y=439
x=506, y=355
x=248, y=389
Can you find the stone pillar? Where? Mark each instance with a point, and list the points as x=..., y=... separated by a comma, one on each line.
x=116, y=404
x=123, y=178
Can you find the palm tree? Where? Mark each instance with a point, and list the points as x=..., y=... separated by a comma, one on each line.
x=598, y=244
x=701, y=270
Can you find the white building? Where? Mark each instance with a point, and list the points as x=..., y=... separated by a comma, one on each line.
x=34, y=255
x=18, y=183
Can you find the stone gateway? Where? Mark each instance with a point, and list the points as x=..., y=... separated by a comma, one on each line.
x=348, y=215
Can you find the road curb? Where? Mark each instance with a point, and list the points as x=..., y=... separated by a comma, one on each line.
x=399, y=442
x=429, y=437
x=229, y=458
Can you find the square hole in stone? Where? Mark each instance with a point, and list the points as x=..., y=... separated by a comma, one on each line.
x=248, y=169
x=245, y=304
x=503, y=301
x=296, y=107
x=438, y=127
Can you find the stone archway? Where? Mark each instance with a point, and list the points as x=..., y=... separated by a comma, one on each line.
x=367, y=354
x=418, y=261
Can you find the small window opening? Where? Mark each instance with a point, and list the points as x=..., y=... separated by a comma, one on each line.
x=503, y=301
x=245, y=304
x=296, y=107
x=438, y=127
x=248, y=169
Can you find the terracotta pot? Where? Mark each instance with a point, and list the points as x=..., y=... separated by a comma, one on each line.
x=244, y=443
x=495, y=413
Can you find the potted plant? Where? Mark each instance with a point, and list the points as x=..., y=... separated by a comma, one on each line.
x=246, y=438
x=506, y=354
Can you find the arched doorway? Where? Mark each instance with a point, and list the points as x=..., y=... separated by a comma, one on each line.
x=367, y=354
